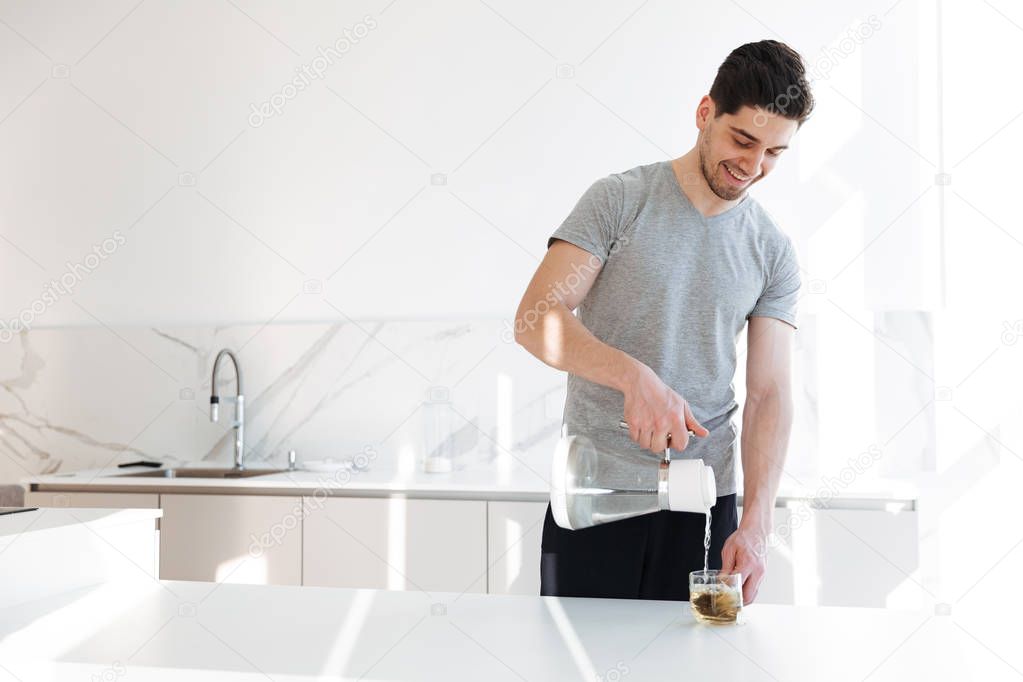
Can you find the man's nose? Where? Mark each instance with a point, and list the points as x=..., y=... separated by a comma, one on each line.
x=752, y=163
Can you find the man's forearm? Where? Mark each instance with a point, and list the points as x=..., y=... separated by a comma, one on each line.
x=560, y=340
x=766, y=424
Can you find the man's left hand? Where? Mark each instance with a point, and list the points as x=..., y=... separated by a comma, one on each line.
x=745, y=552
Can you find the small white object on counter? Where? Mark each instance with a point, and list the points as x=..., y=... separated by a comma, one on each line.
x=328, y=465
x=437, y=465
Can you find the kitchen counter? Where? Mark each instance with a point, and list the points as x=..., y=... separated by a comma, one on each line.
x=13, y=525
x=375, y=482
x=482, y=483
x=50, y=551
x=162, y=630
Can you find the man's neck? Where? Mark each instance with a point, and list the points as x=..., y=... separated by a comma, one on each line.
x=694, y=185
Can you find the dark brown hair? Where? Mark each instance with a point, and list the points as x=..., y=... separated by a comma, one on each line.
x=766, y=74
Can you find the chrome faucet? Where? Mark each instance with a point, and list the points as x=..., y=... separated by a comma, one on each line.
x=239, y=406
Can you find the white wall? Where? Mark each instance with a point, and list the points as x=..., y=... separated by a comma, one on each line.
x=421, y=176
x=337, y=187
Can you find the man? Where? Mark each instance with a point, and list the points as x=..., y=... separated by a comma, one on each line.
x=666, y=263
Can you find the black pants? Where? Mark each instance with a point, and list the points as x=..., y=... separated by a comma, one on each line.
x=645, y=557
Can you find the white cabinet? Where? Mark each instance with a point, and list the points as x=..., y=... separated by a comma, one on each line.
x=514, y=531
x=92, y=500
x=869, y=558
x=253, y=539
x=820, y=557
x=396, y=543
x=843, y=557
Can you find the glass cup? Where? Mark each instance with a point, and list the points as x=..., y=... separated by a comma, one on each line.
x=716, y=596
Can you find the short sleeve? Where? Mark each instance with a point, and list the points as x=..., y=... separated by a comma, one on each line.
x=595, y=222
x=781, y=294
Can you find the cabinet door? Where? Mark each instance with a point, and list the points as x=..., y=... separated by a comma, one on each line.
x=92, y=500
x=252, y=539
x=869, y=558
x=514, y=530
x=395, y=543
x=843, y=557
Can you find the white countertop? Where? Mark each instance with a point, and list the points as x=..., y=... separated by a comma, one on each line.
x=162, y=630
x=480, y=483
x=13, y=525
x=50, y=551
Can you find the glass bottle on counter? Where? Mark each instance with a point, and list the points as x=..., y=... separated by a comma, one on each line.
x=438, y=453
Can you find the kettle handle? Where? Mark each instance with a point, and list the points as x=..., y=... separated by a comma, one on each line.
x=625, y=425
x=667, y=453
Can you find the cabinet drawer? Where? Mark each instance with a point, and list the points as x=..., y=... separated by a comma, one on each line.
x=250, y=539
x=396, y=543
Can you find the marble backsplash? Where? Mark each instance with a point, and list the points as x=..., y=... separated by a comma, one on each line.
x=82, y=397
x=75, y=398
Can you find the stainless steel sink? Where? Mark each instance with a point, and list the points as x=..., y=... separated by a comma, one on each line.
x=195, y=472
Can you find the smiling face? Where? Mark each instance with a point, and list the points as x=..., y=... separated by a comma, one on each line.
x=738, y=150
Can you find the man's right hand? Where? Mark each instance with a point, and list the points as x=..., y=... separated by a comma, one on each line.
x=653, y=410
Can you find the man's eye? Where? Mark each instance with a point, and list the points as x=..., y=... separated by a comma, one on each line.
x=774, y=152
x=744, y=145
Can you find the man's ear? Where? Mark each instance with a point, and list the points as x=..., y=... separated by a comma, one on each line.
x=704, y=111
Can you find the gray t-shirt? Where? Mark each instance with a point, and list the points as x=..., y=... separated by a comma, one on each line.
x=674, y=291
